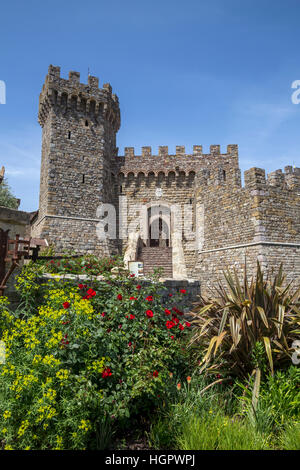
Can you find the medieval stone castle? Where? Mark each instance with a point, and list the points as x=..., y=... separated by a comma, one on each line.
x=226, y=223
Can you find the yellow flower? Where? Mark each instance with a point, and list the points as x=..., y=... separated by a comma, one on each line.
x=85, y=425
x=6, y=414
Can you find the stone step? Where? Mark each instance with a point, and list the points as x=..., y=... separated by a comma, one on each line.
x=157, y=257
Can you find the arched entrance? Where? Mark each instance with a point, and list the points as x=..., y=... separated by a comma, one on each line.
x=159, y=226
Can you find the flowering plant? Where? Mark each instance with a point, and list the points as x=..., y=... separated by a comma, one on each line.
x=88, y=353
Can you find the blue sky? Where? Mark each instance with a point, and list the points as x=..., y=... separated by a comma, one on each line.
x=197, y=72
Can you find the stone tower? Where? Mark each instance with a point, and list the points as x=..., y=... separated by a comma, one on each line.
x=79, y=122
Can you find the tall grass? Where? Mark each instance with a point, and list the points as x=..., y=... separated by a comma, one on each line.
x=219, y=432
x=290, y=438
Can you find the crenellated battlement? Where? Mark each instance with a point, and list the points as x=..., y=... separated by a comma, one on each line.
x=287, y=179
x=163, y=151
x=69, y=95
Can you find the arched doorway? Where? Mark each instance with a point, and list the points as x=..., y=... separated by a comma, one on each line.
x=159, y=225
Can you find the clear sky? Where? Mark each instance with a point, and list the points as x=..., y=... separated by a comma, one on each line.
x=193, y=72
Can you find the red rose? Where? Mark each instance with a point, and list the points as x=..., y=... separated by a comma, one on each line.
x=138, y=287
x=170, y=295
x=129, y=344
x=172, y=337
x=170, y=324
x=149, y=313
x=181, y=327
x=183, y=291
x=103, y=314
x=66, y=304
x=187, y=324
x=119, y=297
x=155, y=373
x=106, y=373
x=132, y=317
x=132, y=298
x=91, y=292
x=80, y=286
x=149, y=298
x=167, y=312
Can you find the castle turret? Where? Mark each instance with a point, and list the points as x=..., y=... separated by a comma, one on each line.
x=79, y=122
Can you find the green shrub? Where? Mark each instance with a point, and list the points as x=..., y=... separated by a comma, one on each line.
x=85, y=358
x=248, y=325
x=87, y=264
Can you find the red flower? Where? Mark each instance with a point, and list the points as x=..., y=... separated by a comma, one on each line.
x=175, y=320
x=172, y=337
x=187, y=324
x=139, y=287
x=170, y=295
x=106, y=373
x=155, y=373
x=103, y=314
x=167, y=312
x=80, y=286
x=181, y=327
x=149, y=313
x=91, y=292
x=132, y=275
x=132, y=298
x=119, y=297
x=132, y=317
x=149, y=298
x=183, y=291
x=66, y=304
x=170, y=324
x=129, y=344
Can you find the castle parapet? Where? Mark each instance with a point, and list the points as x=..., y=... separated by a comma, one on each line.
x=289, y=179
x=85, y=99
x=180, y=151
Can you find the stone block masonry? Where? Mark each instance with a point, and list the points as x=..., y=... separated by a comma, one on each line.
x=220, y=224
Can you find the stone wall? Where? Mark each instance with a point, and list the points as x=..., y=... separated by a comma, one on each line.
x=167, y=180
x=258, y=222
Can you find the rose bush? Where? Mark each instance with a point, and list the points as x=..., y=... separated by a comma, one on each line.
x=90, y=353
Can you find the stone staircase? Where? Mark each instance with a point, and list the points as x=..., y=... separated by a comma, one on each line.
x=157, y=257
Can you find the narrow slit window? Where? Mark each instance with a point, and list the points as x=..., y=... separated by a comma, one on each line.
x=86, y=123
x=69, y=135
x=83, y=178
x=224, y=175
x=121, y=189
